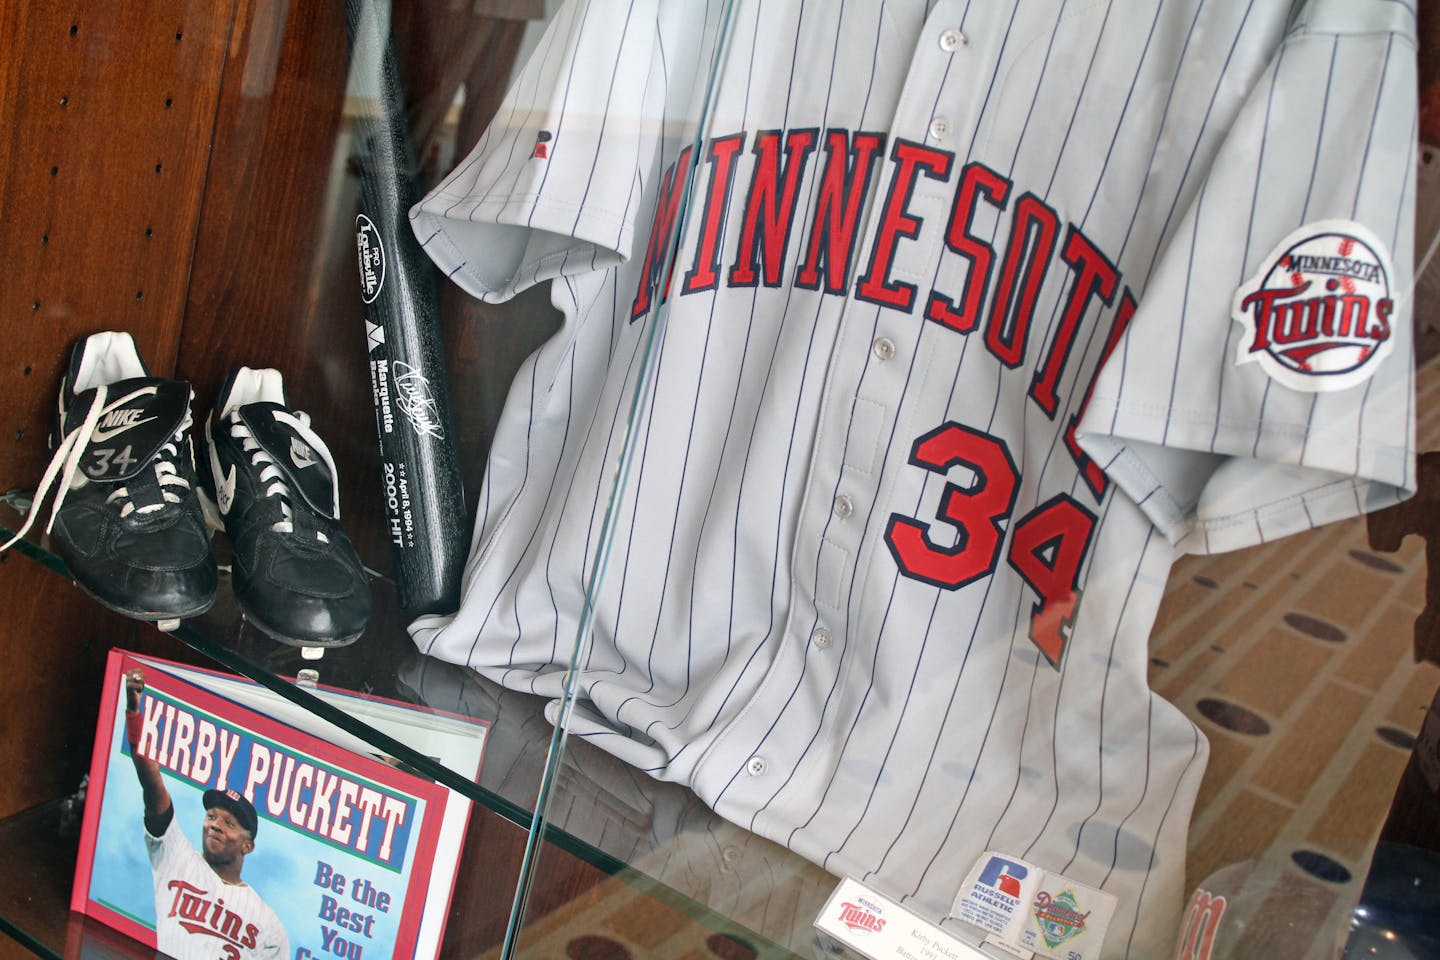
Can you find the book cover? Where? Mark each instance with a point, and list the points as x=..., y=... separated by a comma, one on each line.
x=224, y=821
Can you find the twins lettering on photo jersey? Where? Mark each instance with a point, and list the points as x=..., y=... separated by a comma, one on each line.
x=198, y=916
x=968, y=317
x=197, y=912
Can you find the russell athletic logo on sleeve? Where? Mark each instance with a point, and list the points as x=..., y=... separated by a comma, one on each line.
x=1317, y=314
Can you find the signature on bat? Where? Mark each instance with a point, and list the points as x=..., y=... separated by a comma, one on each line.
x=413, y=397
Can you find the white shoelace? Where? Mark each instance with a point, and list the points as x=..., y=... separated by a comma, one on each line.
x=65, y=463
x=271, y=475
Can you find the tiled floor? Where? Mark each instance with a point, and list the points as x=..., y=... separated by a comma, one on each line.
x=1296, y=660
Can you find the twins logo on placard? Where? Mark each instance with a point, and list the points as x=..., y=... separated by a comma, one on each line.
x=862, y=916
x=1317, y=315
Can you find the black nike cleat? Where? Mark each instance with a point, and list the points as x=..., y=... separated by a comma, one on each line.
x=126, y=519
x=295, y=573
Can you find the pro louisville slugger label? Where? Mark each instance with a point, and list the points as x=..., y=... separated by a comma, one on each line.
x=371, y=255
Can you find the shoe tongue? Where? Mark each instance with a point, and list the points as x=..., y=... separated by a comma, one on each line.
x=304, y=467
x=128, y=436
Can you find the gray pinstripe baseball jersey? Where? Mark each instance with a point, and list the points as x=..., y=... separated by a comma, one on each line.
x=981, y=313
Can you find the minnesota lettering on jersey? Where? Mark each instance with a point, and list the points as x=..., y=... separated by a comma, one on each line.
x=1048, y=545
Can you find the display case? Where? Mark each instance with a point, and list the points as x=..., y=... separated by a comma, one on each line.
x=192, y=174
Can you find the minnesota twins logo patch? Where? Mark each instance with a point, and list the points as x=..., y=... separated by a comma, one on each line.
x=1317, y=313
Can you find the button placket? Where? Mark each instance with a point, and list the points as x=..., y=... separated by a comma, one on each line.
x=875, y=384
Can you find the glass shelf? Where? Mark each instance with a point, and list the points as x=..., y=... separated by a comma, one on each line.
x=641, y=848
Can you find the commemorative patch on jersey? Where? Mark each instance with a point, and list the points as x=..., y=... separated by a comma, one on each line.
x=1026, y=908
x=1317, y=314
x=1067, y=920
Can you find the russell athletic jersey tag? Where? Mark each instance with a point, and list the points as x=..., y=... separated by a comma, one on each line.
x=1026, y=907
x=1317, y=314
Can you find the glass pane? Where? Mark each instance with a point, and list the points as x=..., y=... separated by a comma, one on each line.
x=211, y=157
x=668, y=115
x=900, y=291
x=774, y=333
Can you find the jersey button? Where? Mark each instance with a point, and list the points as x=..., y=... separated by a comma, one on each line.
x=756, y=766
x=822, y=638
x=884, y=348
x=939, y=128
x=843, y=507
x=951, y=40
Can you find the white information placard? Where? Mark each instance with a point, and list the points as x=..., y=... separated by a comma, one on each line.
x=878, y=928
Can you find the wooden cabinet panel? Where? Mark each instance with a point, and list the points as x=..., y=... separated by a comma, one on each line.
x=108, y=110
x=180, y=171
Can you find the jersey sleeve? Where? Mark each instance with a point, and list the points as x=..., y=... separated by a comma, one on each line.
x=168, y=850
x=551, y=189
x=1265, y=384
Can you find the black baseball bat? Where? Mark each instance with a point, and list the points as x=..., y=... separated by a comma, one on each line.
x=424, y=499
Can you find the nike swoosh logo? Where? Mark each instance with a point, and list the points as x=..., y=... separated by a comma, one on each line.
x=224, y=482
x=102, y=434
x=301, y=455
x=225, y=490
